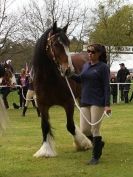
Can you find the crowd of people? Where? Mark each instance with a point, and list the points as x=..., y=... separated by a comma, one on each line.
x=24, y=86
x=124, y=78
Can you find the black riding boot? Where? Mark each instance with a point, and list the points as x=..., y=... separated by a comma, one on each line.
x=90, y=137
x=98, y=145
x=38, y=112
x=24, y=110
x=15, y=106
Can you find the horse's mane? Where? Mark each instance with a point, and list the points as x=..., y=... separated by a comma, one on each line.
x=40, y=55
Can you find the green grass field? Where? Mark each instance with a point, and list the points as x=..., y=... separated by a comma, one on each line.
x=23, y=138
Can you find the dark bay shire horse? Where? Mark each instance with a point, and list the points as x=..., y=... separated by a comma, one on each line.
x=50, y=62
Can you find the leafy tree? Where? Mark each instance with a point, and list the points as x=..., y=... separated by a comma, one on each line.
x=20, y=54
x=112, y=25
x=76, y=45
x=116, y=30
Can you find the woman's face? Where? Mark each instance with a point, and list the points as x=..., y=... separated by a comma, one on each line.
x=23, y=71
x=93, y=54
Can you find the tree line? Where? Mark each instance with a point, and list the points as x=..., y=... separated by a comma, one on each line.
x=109, y=23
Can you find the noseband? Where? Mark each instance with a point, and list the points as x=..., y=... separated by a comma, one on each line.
x=50, y=46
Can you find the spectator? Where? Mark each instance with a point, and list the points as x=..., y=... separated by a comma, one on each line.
x=127, y=88
x=23, y=82
x=7, y=83
x=30, y=96
x=114, y=88
x=121, y=78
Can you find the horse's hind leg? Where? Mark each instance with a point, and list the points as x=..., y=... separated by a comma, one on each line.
x=80, y=140
x=47, y=149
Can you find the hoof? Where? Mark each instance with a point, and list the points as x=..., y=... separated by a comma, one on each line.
x=47, y=149
x=44, y=153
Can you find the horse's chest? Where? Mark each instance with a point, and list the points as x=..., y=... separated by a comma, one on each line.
x=53, y=92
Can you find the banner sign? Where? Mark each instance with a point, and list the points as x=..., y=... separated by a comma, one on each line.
x=120, y=49
x=115, y=49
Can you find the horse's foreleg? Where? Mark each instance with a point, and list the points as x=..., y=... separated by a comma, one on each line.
x=80, y=140
x=69, y=108
x=47, y=149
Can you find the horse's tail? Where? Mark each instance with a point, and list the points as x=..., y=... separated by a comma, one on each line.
x=3, y=117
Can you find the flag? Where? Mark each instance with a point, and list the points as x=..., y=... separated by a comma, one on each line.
x=26, y=68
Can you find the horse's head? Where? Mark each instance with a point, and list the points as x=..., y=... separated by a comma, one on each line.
x=58, y=48
x=5, y=72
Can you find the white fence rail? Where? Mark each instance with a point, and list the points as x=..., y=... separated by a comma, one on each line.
x=118, y=88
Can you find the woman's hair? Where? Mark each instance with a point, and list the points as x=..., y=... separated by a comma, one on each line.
x=23, y=71
x=102, y=50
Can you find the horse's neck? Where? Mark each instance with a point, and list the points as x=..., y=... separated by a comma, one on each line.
x=10, y=81
x=6, y=81
x=13, y=79
x=47, y=71
x=79, y=60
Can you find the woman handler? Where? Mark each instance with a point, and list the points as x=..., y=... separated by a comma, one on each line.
x=95, y=96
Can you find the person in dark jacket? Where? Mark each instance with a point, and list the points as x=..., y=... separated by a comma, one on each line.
x=95, y=96
x=113, y=87
x=30, y=96
x=7, y=83
x=121, y=77
x=127, y=88
x=23, y=81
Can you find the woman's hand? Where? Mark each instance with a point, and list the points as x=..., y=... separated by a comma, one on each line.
x=107, y=110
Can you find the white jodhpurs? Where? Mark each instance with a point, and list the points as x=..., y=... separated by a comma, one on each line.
x=30, y=95
x=93, y=114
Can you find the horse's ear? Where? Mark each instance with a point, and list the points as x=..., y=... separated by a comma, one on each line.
x=65, y=28
x=55, y=26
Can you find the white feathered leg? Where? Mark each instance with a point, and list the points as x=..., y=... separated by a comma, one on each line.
x=81, y=141
x=47, y=149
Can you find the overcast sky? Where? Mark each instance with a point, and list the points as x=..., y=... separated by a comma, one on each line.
x=19, y=3
x=123, y=58
x=89, y=3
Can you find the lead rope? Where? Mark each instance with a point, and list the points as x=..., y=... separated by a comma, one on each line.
x=25, y=97
x=23, y=93
x=92, y=124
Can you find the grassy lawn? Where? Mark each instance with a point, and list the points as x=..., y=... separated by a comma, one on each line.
x=23, y=138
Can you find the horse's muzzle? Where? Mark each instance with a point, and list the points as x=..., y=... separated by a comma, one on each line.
x=67, y=72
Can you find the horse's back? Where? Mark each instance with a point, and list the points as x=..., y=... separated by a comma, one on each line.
x=78, y=60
